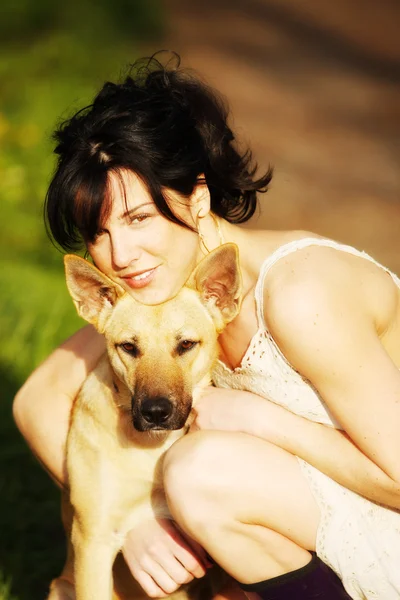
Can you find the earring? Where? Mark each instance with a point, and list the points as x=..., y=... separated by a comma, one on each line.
x=203, y=245
x=205, y=249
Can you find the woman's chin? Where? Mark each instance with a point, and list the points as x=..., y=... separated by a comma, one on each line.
x=151, y=296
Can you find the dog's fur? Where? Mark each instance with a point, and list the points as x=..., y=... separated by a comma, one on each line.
x=132, y=407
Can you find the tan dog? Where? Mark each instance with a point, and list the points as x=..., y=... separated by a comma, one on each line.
x=132, y=407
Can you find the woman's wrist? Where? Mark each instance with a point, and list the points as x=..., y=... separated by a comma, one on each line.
x=256, y=416
x=270, y=422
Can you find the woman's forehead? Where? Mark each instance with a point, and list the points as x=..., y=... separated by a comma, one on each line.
x=126, y=190
x=126, y=193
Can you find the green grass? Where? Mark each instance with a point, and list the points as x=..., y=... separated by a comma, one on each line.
x=53, y=59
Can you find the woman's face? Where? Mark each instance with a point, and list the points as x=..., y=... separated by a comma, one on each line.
x=147, y=254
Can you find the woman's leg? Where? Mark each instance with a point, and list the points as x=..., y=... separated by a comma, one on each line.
x=241, y=497
x=245, y=501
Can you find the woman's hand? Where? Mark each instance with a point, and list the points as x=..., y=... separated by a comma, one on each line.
x=224, y=409
x=162, y=558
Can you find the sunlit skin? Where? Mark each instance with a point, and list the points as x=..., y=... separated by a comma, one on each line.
x=333, y=315
x=150, y=256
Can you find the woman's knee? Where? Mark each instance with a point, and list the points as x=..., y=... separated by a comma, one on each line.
x=206, y=462
x=188, y=463
x=206, y=472
x=236, y=477
x=192, y=471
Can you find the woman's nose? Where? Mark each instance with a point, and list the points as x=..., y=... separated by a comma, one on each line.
x=123, y=252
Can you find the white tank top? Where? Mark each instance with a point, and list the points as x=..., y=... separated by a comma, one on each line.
x=358, y=539
x=264, y=370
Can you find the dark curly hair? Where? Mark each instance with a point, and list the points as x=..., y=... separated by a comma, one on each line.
x=165, y=125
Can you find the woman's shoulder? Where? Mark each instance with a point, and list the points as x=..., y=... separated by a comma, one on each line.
x=326, y=277
x=299, y=254
x=260, y=246
x=310, y=258
x=294, y=269
x=275, y=257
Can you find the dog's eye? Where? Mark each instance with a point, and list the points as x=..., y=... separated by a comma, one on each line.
x=186, y=345
x=130, y=348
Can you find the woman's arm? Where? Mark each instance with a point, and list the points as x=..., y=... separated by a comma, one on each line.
x=327, y=330
x=325, y=318
x=329, y=450
x=42, y=406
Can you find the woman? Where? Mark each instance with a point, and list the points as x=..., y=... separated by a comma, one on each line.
x=149, y=179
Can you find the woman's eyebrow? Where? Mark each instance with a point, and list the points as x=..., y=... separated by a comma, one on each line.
x=132, y=211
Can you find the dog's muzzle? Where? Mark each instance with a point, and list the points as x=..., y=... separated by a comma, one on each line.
x=158, y=413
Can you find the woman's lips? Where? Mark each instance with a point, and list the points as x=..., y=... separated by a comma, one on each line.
x=140, y=280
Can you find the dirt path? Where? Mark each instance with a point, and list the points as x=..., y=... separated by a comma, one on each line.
x=317, y=93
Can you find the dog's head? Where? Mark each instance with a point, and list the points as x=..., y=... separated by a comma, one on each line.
x=161, y=353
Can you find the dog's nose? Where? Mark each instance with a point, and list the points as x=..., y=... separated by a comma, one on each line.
x=156, y=410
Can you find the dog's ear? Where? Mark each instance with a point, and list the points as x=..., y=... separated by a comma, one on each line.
x=218, y=280
x=93, y=292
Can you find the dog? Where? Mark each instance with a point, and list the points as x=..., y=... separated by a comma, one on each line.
x=134, y=405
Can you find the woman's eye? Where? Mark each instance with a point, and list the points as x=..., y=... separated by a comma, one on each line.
x=139, y=218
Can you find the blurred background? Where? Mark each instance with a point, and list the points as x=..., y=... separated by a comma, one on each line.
x=314, y=87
